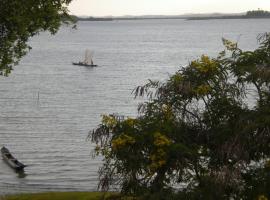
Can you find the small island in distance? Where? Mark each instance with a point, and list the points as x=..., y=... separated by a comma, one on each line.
x=248, y=15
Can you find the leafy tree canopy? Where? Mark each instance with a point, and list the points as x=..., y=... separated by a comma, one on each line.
x=20, y=20
x=203, y=134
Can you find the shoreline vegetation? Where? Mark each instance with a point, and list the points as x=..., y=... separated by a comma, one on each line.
x=64, y=196
x=254, y=14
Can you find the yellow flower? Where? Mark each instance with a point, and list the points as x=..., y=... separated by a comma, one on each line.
x=161, y=140
x=229, y=44
x=109, y=120
x=262, y=197
x=158, y=157
x=130, y=121
x=203, y=89
x=167, y=110
x=122, y=141
x=205, y=65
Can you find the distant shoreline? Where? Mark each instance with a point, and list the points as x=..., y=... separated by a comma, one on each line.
x=253, y=14
x=93, y=19
x=156, y=18
x=227, y=17
x=126, y=18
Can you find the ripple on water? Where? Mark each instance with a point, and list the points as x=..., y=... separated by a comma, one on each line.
x=48, y=105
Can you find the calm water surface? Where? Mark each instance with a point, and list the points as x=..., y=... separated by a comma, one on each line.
x=47, y=105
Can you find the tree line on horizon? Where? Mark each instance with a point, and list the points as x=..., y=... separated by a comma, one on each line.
x=249, y=14
x=258, y=13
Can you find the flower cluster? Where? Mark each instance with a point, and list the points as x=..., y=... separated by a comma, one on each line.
x=158, y=157
x=109, y=120
x=130, y=122
x=229, y=44
x=122, y=141
x=205, y=64
x=161, y=140
x=202, y=89
x=262, y=197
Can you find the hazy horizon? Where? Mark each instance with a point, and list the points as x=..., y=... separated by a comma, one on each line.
x=100, y=8
x=184, y=14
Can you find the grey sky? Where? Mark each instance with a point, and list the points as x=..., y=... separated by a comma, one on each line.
x=163, y=7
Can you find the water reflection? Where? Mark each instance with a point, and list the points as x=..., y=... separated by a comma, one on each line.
x=21, y=173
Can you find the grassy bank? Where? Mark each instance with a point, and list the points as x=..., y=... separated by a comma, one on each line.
x=62, y=196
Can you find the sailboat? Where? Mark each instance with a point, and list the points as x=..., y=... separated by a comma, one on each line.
x=88, y=60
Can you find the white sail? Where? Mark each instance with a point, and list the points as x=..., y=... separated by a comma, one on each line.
x=88, y=57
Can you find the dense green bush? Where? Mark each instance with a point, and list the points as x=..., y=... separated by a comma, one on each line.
x=203, y=134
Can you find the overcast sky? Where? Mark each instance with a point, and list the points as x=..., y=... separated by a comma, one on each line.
x=162, y=7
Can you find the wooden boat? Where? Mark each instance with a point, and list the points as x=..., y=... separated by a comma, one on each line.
x=10, y=160
x=88, y=60
x=84, y=64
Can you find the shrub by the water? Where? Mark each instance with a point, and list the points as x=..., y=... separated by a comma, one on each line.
x=203, y=134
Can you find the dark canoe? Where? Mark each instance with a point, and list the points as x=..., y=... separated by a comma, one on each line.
x=84, y=64
x=10, y=160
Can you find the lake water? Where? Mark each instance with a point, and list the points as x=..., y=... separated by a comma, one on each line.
x=48, y=105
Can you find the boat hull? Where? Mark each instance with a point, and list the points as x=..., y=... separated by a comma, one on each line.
x=10, y=160
x=84, y=64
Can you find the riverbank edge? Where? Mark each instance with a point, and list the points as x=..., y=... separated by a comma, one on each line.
x=64, y=196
